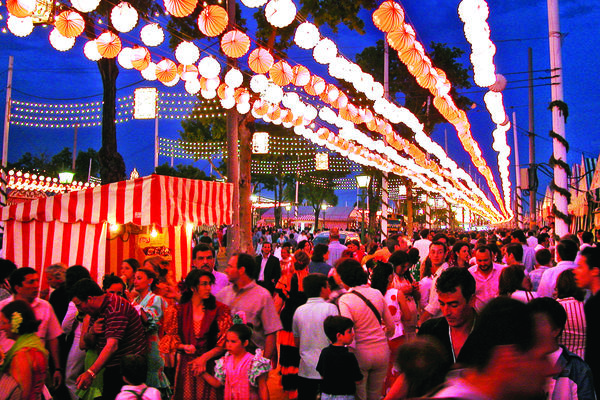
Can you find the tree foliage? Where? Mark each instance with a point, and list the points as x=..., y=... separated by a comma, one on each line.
x=183, y=171
x=61, y=161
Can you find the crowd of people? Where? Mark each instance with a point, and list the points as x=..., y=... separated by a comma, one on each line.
x=483, y=315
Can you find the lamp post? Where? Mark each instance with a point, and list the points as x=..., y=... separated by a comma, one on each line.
x=362, y=181
x=288, y=208
x=66, y=178
x=324, y=209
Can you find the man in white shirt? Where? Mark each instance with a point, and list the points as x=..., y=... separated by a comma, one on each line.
x=203, y=257
x=531, y=239
x=486, y=275
x=566, y=251
x=517, y=236
x=335, y=247
x=423, y=245
x=437, y=255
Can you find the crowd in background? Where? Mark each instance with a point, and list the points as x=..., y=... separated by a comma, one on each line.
x=480, y=315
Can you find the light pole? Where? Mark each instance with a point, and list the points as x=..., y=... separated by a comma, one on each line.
x=288, y=208
x=324, y=209
x=362, y=181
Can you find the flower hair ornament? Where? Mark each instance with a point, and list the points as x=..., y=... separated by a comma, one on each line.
x=239, y=318
x=15, y=322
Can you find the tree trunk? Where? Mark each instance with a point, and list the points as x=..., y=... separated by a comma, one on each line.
x=246, y=128
x=373, y=193
x=317, y=214
x=112, y=166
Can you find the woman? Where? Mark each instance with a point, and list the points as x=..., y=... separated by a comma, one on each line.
x=366, y=307
x=165, y=285
x=460, y=255
x=319, y=259
x=512, y=283
x=286, y=261
x=196, y=329
x=570, y=296
x=27, y=359
x=128, y=268
x=151, y=308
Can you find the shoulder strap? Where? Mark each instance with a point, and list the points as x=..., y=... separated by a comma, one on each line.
x=369, y=304
x=140, y=395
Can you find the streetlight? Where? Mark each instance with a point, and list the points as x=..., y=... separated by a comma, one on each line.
x=66, y=178
x=324, y=208
x=288, y=208
x=362, y=181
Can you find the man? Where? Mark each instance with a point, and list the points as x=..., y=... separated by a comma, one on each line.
x=514, y=254
x=423, y=245
x=574, y=379
x=270, y=268
x=335, y=247
x=7, y=267
x=437, y=256
x=245, y=295
x=587, y=239
x=117, y=331
x=487, y=276
x=456, y=289
x=531, y=239
x=307, y=327
x=566, y=251
x=354, y=246
x=517, y=236
x=56, y=275
x=543, y=242
x=587, y=276
x=503, y=356
x=25, y=284
x=203, y=258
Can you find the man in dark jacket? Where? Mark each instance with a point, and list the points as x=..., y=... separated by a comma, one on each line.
x=270, y=269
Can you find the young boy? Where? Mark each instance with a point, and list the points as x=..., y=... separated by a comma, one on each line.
x=338, y=367
x=134, y=370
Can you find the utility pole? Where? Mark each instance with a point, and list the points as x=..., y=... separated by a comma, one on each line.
x=532, y=185
x=384, y=178
x=74, y=147
x=7, y=112
x=518, y=202
x=561, y=203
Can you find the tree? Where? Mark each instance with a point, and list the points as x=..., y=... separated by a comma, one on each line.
x=183, y=171
x=61, y=161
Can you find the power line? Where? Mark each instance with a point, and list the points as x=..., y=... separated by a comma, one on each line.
x=76, y=98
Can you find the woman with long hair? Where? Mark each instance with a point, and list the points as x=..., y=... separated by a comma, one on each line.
x=196, y=329
x=511, y=284
x=571, y=297
x=151, y=308
x=460, y=255
x=27, y=359
x=127, y=271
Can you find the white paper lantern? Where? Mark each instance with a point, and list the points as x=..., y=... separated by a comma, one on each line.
x=259, y=83
x=208, y=67
x=208, y=94
x=307, y=35
x=234, y=78
x=310, y=112
x=20, y=26
x=228, y=103
x=254, y=3
x=172, y=82
x=212, y=84
x=187, y=53
x=243, y=108
x=152, y=35
x=91, y=51
x=290, y=99
x=124, y=58
x=149, y=73
x=59, y=42
x=325, y=51
x=124, y=17
x=280, y=13
x=273, y=93
x=499, y=85
x=192, y=86
x=85, y=6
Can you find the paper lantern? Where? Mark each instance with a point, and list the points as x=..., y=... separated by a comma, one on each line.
x=325, y=51
x=166, y=70
x=69, y=23
x=260, y=143
x=235, y=43
x=188, y=72
x=222, y=91
x=401, y=38
x=192, y=86
x=152, y=34
x=187, y=53
x=243, y=108
x=149, y=73
x=20, y=8
x=91, y=51
x=85, y=6
x=210, y=84
x=208, y=94
x=241, y=95
x=273, y=94
x=124, y=58
x=212, y=21
x=388, y=16
x=124, y=17
x=260, y=61
x=59, y=42
x=208, y=67
x=234, y=78
x=140, y=58
x=307, y=36
x=258, y=83
x=20, y=26
x=316, y=86
x=172, y=82
x=499, y=85
x=180, y=8
x=281, y=73
x=228, y=103
x=109, y=45
x=254, y=3
x=280, y=13
x=301, y=75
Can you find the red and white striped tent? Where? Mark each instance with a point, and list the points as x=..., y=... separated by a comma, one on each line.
x=73, y=228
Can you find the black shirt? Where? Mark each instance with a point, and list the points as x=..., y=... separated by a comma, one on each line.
x=339, y=369
x=592, y=346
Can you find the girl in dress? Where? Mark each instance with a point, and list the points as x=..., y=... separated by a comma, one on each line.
x=243, y=374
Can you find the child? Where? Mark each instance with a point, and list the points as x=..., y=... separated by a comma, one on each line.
x=243, y=374
x=338, y=367
x=134, y=369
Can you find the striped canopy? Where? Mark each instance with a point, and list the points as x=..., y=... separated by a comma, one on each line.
x=72, y=228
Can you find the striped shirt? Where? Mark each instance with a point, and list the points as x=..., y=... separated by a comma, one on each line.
x=573, y=336
x=122, y=322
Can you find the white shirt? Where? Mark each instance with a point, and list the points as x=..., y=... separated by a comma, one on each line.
x=550, y=276
x=486, y=287
x=433, y=305
x=423, y=246
x=532, y=241
x=221, y=280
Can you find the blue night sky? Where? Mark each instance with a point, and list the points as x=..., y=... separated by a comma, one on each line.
x=42, y=74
